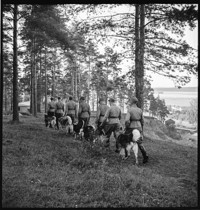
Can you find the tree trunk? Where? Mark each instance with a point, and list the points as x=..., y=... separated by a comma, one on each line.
x=45, y=80
x=35, y=81
x=15, y=67
x=53, y=81
x=137, y=45
x=89, y=81
x=141, y=62
x=32, y=81
x=139, y=54
x=75, y=83
x=39, y=94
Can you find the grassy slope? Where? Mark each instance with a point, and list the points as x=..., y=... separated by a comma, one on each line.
x=44, y=168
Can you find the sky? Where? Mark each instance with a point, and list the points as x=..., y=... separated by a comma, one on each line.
x=191, y=38
x=161, y=81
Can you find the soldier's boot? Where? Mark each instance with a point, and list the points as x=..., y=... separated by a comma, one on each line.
x=144, y=153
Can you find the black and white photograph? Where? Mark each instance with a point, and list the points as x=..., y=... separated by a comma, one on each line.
x=99, y=105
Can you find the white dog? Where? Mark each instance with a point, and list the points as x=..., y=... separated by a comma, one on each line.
x=128, y=142
x=69, y=125
x=65, y=122
x=53, y=122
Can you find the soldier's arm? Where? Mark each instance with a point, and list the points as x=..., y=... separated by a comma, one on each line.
x=142, y=120
x=76, y=110
x=80, y=110
x=66, y=109
x=89, y=110
x=120, y=115
x=98, y=114
x=127, y=119
x=105, y=116
x=63, y=107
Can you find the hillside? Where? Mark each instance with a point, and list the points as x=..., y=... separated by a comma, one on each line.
x=45, y=168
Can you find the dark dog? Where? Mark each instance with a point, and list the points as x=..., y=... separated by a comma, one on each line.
x=50, y=121
x=78, y=129
x=89, y=133
x=128, y=142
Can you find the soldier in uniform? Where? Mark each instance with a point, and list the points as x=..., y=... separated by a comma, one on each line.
x=84, y=111
x=71, y=109
x=101, y=110
x=51, y=108
x=59, y=111
x=113, y=114
x=135, y=120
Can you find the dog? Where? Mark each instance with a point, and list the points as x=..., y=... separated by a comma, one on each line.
x=89, y=133
x=53, y=122
x=69, y=125
x=78, y=129
x=65, y=122
x=50, y=122
x=128, y=142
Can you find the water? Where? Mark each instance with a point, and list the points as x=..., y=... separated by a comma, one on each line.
x=177, y=98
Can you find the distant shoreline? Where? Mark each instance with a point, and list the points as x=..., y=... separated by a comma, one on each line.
x=178, y=97
x=173, y=89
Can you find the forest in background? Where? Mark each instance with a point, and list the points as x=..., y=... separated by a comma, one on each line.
x=50, y=50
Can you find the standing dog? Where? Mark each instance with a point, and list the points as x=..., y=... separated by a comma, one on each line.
x=78, y=129
x=69, y=125
x=65, y=122
x=128, y=142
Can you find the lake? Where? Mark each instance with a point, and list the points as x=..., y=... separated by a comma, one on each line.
x=174, y=96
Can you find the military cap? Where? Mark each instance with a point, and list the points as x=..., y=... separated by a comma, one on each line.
x=111, y=100
x=82, y=98
x=133, y=100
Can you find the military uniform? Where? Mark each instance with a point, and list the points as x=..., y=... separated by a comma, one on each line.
x=71, y=109
x=102, y=108
x=59, y=111
x=113, y=114
x=51, y=108
x=135, y=120
x=84, y=112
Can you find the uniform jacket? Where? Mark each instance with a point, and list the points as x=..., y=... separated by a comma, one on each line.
x=84, y=110
x=59, y=107
x=113, y=114
x=101, y=111
x=135, y=117
x=71, y=107
x=51, y=106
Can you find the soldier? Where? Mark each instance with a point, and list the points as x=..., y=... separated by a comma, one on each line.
x=113, y=114
x=59, y=111
x=71, y=109
x=51, y=108
x=102, y=108
x=135, y=120
x=84, y=111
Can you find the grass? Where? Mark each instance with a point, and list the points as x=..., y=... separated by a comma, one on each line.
x=45, y=168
